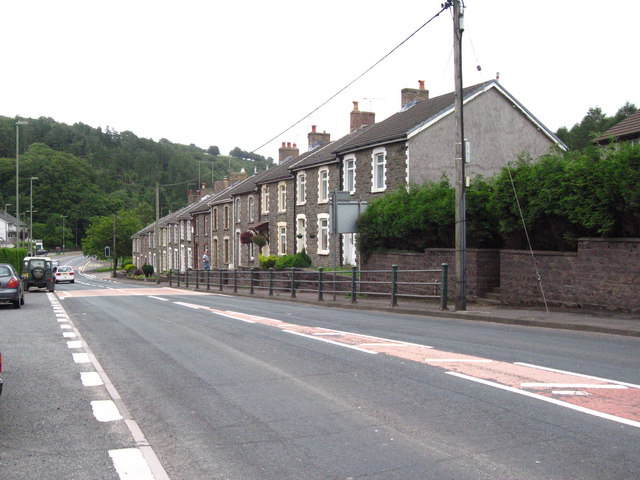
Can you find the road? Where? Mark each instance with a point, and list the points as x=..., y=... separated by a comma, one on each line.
x=217, y=387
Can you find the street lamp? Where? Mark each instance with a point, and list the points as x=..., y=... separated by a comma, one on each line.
x=31, y=179
x=6, y=224
x=18, y=123
x=63, y=217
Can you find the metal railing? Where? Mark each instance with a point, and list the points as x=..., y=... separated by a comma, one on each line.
x=395, y=284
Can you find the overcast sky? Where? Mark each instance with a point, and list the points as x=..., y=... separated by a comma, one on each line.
x=238, y=73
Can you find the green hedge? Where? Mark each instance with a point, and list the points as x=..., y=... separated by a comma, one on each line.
x=562, y=197
x=13, y=256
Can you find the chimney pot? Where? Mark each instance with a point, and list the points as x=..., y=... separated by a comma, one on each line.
x=284, y=144
x=421, y=82
x=288, y=144
x=355, y=106
x=313, y=129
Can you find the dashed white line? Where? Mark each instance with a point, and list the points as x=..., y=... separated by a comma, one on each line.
x=74, y=344
x=105, y=411
x=91, y=379
x=81, y=358
x=353, y=347
x=130, y=464
x=159, y=298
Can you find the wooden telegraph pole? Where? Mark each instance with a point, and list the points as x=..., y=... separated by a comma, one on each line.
x=460, y=230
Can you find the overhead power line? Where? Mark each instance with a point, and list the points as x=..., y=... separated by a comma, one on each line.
x=444, y=7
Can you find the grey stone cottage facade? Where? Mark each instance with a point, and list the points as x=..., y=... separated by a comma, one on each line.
x=289, y=203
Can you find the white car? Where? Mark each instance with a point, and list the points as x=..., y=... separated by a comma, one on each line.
x=64, y=274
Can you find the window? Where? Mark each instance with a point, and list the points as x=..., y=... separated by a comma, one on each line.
x=215, y=219
x=206, y=225
x=282, y=238
x=301, y=232
x=378, y=167
x=282, y=197
x=251, y=209
x=238, y=206
x=189, y=228
x=226, y=217
x=175, y=234
x=323, y=234
x=265, y=199
x=225, y=250
x=323, y=185
x=214, y=252
x=350, y=175
x=302, y=188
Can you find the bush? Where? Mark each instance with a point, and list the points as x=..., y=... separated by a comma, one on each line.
x=137, y=273
x=267, y=262
x=147, y=270
x=13, y=256
x=299, y=260
x=129, y=267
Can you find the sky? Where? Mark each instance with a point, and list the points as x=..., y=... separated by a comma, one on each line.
x=238, y=74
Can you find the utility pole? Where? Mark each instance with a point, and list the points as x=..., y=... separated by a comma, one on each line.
x=157, y=232
x=113, y=252
x=460, y=194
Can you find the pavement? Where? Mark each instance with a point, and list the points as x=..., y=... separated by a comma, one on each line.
x=609, y=322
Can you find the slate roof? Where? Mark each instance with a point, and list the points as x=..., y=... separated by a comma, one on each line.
x=281, y=172
x=625, y=130
x=398, y=126
x=325, y=154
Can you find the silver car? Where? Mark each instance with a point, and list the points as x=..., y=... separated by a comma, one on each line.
x=11, y=287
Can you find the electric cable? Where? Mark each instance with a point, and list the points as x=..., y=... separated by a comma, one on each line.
x=444, y=7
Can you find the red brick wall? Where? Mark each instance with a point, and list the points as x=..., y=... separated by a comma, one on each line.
x=603, y=273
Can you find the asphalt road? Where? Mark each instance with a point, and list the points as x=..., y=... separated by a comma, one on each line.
x=236, y=388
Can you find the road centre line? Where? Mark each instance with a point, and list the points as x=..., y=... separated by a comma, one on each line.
x=158, y=298
x=554, y=401
x=548, y=369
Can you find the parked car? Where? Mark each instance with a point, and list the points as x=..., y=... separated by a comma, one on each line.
x=41, y=251
x=11, y=288
x=38, y=272
x=64, y=274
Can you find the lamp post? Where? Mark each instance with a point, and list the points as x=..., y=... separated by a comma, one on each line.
x=63, y=217
x=31, y=179
x=18, y=123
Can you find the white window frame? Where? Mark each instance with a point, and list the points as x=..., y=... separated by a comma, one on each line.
x=265, y=199
x=301, y=242
x=349, y=165
x=238, y=209
x=282, y=238
x=378, y=159
x=282, y=197
x=251, y=207
x=322, y=232
x=323, y=185
x=302, y=188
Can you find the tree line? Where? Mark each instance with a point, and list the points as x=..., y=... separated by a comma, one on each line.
x=84, y=172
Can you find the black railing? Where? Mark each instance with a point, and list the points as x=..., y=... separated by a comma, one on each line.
x=393, y=283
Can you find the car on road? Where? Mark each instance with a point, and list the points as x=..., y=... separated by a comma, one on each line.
x=11, y=287
x=41, y=251
x=38, y=272
x=64, y=274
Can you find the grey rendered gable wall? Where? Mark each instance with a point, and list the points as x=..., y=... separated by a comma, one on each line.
x=498, y=132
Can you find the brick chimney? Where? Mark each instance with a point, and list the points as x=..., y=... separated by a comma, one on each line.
x=238, y=176
x=220, y=185
x=287, y=151
x=317, y=139
x=411, y=96
x=361, y=119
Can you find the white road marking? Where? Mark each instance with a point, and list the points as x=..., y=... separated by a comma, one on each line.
x=569, y=385
x=65, y=326
x=631, y=385
x=74, y=344
x=68, y=335
x=554, y=401
x=158, y=298
x=576, y=393
x=130, y=464
x=458, y=360
x=81, y=358
x=105, y=411
x=320, y=339
x=91, y=379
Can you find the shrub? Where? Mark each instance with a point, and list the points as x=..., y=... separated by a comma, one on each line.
x=299, y=260
x=267, y=262
x=147, y=270
x=137, y=273
x=129, y=267
x=13, y=256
